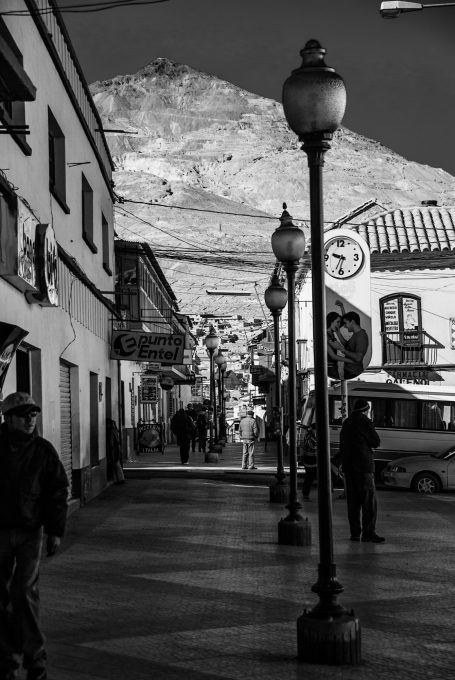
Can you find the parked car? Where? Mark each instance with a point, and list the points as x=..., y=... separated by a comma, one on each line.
x=427, y=473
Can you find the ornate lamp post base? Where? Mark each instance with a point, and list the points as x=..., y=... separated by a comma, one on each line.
x=211, y=456
x=333, y=640
x=279, y=492
x=294, y=530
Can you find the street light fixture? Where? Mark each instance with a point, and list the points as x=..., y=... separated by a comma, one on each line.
x=391, y=10
x=276, y=299
x=288, y=245
x=314, y=100
x=212, y=342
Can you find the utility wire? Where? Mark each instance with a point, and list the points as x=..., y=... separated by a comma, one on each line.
x=85, y=8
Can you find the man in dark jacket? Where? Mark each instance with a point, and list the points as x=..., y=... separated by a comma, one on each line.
x=33, y=497
x=357, y=439
x=183, y=427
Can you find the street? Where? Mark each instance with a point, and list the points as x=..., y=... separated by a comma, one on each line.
x=170, y=577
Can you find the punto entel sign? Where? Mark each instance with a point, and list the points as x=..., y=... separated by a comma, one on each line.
x=142, y=346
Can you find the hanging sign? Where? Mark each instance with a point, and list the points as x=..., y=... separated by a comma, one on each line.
x=149, y=389
x=143, y=346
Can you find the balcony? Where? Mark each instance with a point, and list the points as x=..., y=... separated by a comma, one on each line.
x=409, y=348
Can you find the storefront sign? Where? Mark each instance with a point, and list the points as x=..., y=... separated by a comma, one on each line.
x=46, y=260
x=149, y=389
x=417, y=377
x=142, y=346
x=28, y=254
x=10, y=339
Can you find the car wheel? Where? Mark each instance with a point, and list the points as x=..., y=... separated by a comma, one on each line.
x=426, y=482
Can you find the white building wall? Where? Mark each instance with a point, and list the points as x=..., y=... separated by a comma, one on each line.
x=78, y=333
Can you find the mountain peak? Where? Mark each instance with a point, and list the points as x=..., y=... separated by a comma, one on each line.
x=162, y=66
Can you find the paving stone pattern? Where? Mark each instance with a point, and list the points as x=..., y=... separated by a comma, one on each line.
x=173, y=578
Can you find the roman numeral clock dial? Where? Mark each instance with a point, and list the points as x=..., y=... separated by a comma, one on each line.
x=343, y=257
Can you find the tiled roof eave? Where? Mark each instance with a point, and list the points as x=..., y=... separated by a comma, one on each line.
x=415, y=260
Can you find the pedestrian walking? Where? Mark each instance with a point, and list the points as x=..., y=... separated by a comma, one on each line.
x=183, y=427
x=202, y=425
x=357, y=440
x=248, y=432
x=193, y=415
x=33, y=498
x=114, y=452
x=309, y=460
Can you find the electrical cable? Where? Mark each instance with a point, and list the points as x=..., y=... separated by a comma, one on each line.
x=80, y=9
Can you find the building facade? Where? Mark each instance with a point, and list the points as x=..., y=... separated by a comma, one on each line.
x=412, y=255
x=157, y=380
x=56, y=238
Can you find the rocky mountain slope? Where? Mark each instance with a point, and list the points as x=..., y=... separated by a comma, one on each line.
x=215, y=163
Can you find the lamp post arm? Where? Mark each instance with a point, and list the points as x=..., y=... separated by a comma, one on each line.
x=391, y=9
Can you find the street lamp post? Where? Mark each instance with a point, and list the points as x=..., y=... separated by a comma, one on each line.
x=220, y=361
x=393, y=8
x=288, y=245
x=212, y=342
x=314, y=100
x=276, y=299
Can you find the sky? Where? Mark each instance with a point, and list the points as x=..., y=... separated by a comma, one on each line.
x=399, y=74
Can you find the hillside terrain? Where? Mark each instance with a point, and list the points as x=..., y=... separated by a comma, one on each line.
x=203, y=168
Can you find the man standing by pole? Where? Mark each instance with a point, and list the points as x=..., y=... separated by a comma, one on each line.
x=33, y=497
x=357, y=440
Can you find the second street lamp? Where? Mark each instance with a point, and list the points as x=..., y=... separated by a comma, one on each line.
x=276, y=299
x=220, y=360
x=314, y=100
x=288, y=245
x=212, y=342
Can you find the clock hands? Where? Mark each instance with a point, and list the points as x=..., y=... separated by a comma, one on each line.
x=340, y=258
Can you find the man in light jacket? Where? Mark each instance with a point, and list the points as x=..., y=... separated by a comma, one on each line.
x=248, y=432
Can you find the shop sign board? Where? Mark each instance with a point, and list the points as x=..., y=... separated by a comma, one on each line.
x=149, y=389
x=28, y=254
x=145, y=346
x=10, y=339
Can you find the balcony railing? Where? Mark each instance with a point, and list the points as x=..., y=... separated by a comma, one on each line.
x=409, y=348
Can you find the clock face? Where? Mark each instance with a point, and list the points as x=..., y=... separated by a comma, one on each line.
x=343, y=257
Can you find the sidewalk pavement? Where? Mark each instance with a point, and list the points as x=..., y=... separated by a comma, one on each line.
x=174, y=578
x=229, y=462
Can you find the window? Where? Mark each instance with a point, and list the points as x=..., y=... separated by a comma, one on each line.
x=106, y=249
x=401, y=325
x=87, y=214
x=57, y=164
x=15, y=88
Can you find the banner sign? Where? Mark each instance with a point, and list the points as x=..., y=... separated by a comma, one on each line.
x=143, y=346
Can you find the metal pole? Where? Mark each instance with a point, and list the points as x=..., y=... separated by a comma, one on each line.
x=327, y=587
x=279, y=434
x=212, y=395
x=293, y=506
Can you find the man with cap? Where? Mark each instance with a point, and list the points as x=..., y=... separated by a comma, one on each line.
x=358, y=438
x=248, y=431
x=33, y=498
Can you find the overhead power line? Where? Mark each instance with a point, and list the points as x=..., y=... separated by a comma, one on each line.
x=84, y=8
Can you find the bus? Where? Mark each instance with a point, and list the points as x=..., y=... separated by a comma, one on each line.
x=410, y=419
